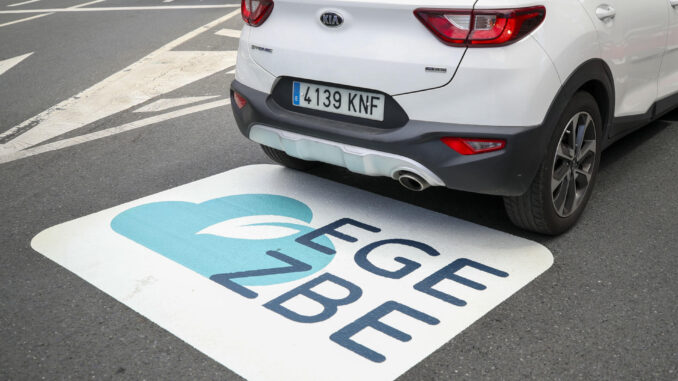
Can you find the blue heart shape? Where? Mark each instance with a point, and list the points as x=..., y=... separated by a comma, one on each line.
x=171, y=228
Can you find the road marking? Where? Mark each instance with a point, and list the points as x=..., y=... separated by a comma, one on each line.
x=228, y=33
x=280, y=275
x=158, y=73
x=86, y=4
x=23, y=3
x=103, y=9
x=25, y=19
x=60, y=144
x=11, y=62
x=167, y=103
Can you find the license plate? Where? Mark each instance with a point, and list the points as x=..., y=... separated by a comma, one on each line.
x=360, y=104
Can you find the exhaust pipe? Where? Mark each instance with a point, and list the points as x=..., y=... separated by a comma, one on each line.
x=412, y=181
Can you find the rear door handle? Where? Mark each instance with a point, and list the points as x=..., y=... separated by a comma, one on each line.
x=606, y=12
x=674, y=3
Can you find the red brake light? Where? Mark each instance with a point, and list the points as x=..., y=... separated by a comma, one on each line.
x=255, y=12
x=473, y=146
x=485, y=27
x=240, y=101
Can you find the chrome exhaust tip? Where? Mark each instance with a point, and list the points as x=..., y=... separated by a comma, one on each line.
x=412, y=181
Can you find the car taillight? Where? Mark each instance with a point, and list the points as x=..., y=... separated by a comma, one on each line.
x=255, y=12
x=474, y=146
x=483, y=27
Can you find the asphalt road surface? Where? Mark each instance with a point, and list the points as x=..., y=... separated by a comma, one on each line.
x=605, y=310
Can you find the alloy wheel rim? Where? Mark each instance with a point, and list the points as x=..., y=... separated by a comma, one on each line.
x=573, y=164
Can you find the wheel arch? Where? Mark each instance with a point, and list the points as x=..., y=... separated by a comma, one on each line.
x=593, y=76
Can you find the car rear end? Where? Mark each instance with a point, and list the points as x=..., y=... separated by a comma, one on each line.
x=436, y=92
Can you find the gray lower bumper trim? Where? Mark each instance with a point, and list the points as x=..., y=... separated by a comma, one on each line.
x=355, y=159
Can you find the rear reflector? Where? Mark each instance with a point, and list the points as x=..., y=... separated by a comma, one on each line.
x=472, y=146
x=483, y=27
x=255, y=12
x=240, y=101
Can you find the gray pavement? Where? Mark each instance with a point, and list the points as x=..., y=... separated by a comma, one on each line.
x=605, y=310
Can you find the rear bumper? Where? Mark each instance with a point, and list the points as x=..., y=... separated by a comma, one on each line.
x=506, y=173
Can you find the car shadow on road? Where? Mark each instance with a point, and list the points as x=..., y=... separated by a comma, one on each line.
x=480, y=209
x=672, y=116
x=635, y=140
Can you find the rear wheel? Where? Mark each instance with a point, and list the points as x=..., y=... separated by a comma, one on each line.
x=564, y=183
x=282, y=158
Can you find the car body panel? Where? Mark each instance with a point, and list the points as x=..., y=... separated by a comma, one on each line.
x=379, y=46
x=632, y=44
x=249, y=72
x=568, y=35
x=492, y=87
x=668, y=76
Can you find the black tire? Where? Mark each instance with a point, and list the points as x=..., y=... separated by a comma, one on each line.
x=536, y=210
x=282, y=158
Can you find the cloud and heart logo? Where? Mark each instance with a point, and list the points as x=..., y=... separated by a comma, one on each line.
x=250, y=235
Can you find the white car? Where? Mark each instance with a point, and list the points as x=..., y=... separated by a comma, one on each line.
x=516, y=98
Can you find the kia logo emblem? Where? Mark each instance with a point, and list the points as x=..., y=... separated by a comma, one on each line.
x=331, y=19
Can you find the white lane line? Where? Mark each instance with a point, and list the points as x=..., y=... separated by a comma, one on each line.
x=100, y=9
x=167, y=1
x=228, y=33
x=199, y=31
x=113, y=131
x=25, y=19
x=168, y=103
x=86, y=4
x=11, y=62
x=158, y=73
x=23, y=3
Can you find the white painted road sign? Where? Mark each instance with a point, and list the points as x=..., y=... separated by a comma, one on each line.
x=278, y=274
